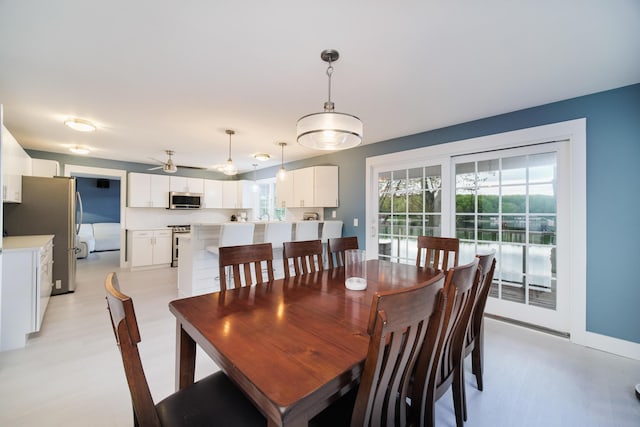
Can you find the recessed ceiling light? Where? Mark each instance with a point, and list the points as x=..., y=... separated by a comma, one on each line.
x=79, y=150
x=80, y=125
x=263, y=157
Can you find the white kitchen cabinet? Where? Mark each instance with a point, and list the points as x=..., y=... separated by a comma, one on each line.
x=148, y=191
x=186, y=185
x=303, y=187
x=15, y=163
x=316, y=186
x=237, y=194
x=149, y=248
x=212, y=193
x=26, y=287
x=325, y=188
x=45, y=168
x=284, y=191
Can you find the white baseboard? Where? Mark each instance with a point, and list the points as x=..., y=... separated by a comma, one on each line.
x=610, y=345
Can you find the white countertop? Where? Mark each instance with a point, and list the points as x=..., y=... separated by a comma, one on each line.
x=25, y=242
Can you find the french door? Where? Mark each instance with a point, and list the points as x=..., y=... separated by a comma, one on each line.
x=512, y=200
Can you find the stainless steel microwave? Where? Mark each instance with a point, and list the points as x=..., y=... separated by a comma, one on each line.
x=185, y=200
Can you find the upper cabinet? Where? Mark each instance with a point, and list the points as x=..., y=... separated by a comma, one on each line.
x=212, y=194
x=316, y=186
x=152, y=191
x=325, y=189
x=15, y=163
x=183, y=184
x=148, y=191
x=236, y=195
x=45, y=168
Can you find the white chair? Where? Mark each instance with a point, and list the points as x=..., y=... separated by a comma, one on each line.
x=330, y=230
x=277, y=233
x=233, y=234
x=307, y=230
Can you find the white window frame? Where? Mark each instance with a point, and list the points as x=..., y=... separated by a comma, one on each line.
x=573, y=130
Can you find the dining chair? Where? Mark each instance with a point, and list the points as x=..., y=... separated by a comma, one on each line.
x=474, y=340
x=247, y=265
x=306, y=257
x=403, y=323
x=210, y=401
x=336, y=248
x=431, y=382
x=436, y=251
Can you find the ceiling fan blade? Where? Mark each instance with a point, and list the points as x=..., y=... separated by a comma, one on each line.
x=156, y=168
x=191, y=167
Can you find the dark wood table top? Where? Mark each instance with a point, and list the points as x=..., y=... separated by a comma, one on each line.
x=292, y=345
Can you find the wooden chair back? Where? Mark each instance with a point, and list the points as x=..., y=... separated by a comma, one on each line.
x=401, y=323
x=436, y=252
x=337, y=246
x=306, y=257
x=460, y=288
x=474, y=342
x=125, y=328
x=247, y=264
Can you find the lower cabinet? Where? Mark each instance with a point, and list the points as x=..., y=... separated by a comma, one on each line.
x=149, y=247
x=27, y=263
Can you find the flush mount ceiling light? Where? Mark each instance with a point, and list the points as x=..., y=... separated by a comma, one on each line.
x=230, y=168
x=263, y=157
x=80, y=125
x=329, y=130
x=79, y=150
x=282, y=173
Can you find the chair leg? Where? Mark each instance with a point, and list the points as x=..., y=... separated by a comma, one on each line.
x=429, y=408
x=477, y=359
x=464, y=395
x=457, y=397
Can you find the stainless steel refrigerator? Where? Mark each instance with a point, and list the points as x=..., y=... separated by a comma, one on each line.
x=50, y=206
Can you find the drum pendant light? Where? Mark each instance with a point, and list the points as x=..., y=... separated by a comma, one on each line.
x=329, y=130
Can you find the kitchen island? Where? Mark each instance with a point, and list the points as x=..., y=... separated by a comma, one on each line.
x=198, y=267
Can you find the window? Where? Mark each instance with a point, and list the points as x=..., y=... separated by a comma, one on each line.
x=266, y=194
x=409, y=205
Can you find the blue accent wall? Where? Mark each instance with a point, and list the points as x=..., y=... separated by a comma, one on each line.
x=613, y=157
x=99, y=204
x=613, y=162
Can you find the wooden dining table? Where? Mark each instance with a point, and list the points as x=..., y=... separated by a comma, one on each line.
x=292, y=345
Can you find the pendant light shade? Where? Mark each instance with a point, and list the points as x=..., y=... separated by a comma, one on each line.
x=230, y=168
x=329, y=130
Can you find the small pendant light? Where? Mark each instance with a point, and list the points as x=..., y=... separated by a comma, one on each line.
x=282, y=173
x=230, y=168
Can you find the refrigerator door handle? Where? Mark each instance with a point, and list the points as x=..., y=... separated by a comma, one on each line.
x=79, y=222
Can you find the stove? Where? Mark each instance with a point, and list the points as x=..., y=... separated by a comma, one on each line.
x=176, y=231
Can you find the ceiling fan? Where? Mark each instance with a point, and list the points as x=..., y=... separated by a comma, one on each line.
x=168, y=166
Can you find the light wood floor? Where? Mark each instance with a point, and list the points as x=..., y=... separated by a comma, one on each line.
x=71, y=373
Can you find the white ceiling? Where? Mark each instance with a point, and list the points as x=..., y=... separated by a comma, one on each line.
x=159, y=74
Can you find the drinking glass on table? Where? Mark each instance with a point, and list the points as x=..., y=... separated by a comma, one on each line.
x=355, y=269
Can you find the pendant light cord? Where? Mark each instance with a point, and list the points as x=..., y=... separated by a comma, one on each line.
x=328, y=106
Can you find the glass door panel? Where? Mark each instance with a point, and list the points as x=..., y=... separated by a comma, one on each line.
x=409, y=205
x=508, y=203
